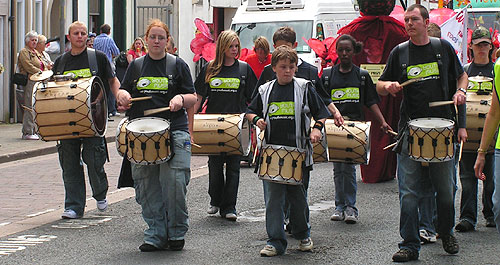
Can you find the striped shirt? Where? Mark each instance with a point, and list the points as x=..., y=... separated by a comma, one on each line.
x=106, y=45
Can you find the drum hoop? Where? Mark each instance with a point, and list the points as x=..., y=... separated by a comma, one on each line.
x=414, y=127
x=244, y=151
x=147, y=118
x=288, y=148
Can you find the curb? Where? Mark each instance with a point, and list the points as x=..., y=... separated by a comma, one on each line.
x=38, y=152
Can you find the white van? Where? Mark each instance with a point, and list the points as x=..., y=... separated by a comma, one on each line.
x=309, y=18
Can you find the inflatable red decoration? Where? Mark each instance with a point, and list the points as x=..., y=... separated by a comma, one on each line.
x=398, y=13
x=376, y=7
x=203, y=44
x=441, y=15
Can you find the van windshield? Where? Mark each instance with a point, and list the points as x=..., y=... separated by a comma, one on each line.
x=485, y=19
x=250, y=31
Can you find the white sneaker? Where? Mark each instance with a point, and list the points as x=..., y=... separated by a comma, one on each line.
x=212, y=209
x=337, y=215
x=426, y=237
x=268, y=251
x=231, y=216
x=31, y=137
x=306, y=244
x=351, y=217
x=102, y=205
x=69, y=214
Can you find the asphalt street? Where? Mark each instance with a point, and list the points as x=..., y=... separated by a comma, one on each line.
x=113, y=237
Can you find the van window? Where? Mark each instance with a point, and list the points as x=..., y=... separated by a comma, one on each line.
x=250, y=31
x=485, y=19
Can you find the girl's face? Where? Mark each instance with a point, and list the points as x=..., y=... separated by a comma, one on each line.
x=232, y=52
x=138, y=45
x=345, y=51
x=156, y=40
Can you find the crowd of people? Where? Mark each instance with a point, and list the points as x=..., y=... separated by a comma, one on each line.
x=282, y=95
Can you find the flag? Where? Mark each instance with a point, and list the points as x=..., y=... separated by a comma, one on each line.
x=454, y=30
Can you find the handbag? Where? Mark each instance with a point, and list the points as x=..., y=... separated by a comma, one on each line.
x=20, y=79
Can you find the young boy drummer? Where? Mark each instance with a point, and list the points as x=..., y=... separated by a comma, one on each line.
x=283, y=108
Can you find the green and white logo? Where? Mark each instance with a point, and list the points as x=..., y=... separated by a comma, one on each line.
x=80, y=73
x=422, y=70
x=152, y=83
x=224, y=83
x=345, y=93
x=474, y=86
x=286, y=108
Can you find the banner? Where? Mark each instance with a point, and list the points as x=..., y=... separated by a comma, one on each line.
x=476, y=3
x=454, y=30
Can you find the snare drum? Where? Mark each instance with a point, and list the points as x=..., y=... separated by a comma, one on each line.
x=345, y=148
x=477, y=108
x=431, y=139
x=71, y=109
x=282, y=164
x=148, y=140
x=121, y=137
x=221, y=133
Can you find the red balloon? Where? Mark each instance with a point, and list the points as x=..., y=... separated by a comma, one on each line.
x=440, y=15
x=398, y=13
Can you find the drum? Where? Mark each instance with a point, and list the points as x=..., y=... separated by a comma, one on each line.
x=477, y=108
x=320, y=149
x=282, y=164
x=121, y=137
x=345, y=148
x=71, y=109
x=431, y=139
x=148, y=141
x=221, y=133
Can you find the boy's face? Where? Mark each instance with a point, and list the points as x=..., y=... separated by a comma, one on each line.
x=285, y=71
x=286, y=43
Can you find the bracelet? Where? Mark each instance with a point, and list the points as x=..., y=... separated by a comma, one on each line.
x=319, y=125
x=463, y=90
x=182, y=99
x=480, y=150
x=256, y=119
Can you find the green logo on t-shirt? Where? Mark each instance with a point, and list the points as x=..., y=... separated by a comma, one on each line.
x=422, y=70
x=345, y=93
x=152, y=83
x=224, y=83
x=80, y=73
x=474, y=86
x=286, y=108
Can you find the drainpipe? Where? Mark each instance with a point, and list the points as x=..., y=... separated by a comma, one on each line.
x=13, y=48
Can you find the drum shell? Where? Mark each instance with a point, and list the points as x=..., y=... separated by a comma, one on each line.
x=121, y=137
x=442, y=130
x=70, y=110
x=343, y=147
x=285, y=173
x=221, y=133
x=148, y=148
x=477, y=109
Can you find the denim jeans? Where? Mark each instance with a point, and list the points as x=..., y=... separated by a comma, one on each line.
x=224, y=192
x=410, y=183
x=427, y=204
x=496, y=193
x=277, y=194
x=344, y=177
x=468, y=201
x=161, y=192
x=94, y=156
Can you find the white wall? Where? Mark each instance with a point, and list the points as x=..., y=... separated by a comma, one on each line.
x=83, y=12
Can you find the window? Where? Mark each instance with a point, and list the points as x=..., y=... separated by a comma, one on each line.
x=37, y=15
x=20, y=24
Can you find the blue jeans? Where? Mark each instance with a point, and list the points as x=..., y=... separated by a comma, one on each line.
x=94, y=156
x=496, y=193
x=161, y=192
x=427, y=204
x=224, y=193
x=410, y=182
x=277, y=194
x=468, y=202
x=344, y=177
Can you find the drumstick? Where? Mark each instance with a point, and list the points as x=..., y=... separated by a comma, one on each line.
x=390, y=146
x=460, y=153
x=154, y=111
x=27, y=108
x=353, y=134
x=440, y=103
x=139, y=99
x=407, y=82
x=196, y=145
x=392, y=132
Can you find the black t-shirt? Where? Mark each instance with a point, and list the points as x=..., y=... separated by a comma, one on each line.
x=474, y=69
x=79, y=65
x=225, y=91
x=348, y=95
x=423, y=63
x=281, y=109
x=153, y=81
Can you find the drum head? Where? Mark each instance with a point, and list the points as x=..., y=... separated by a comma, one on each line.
x=245, y=135
x=148, y=125
x=98, y=105
x=431, y=123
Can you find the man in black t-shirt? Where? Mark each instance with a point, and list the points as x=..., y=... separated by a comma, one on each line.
x=440, y=77
x=94, y=152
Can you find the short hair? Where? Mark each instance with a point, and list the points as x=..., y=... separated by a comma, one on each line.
x=105, y=28
x=77, y=23
x=157, y=23
x=262, y=43
x=42, y=38
x=286, y=34
x=356, y=45
x=423, y=11
x=284, y=52
x=434, y=30
x=171, y=41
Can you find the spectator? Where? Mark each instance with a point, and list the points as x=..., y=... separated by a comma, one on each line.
x=261, y=58
x=171, y=46
x=137, y=50
x=40, y=47
x=90, y=43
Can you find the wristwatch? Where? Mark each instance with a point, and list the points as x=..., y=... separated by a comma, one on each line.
x=462, y=89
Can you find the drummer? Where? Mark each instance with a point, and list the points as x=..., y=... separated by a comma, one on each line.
x=287, y=125
x=161, y=189
x=481, y=65
x=443, y=79
x=79, y=61
x=351, y=88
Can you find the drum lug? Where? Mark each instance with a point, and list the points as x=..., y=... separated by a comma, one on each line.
x=72, y=86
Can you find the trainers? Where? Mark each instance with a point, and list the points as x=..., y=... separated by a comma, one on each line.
x=306, y=244
x=231, y=216
x=31, y=137
x=450, y=244
x=337, y=215
x=268, y=251
x=404, y=255
x=176, y=245
x=212, y=209
x=102, y=205
x=464, y=226
x=145, y=247
x=69, y=214
x=427, y=237
x=490, y=223
x=351, y=217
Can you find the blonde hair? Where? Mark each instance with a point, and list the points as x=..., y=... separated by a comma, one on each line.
x=144, y=49
x=261, y=42
x=223, y=43
x=42, y=38
x=77, y=23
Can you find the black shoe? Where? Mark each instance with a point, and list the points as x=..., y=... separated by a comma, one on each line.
x=176, y=245
x=145, y=247
x=404, y=255
x=464, y=226
x=490, y=223
x=450, y=244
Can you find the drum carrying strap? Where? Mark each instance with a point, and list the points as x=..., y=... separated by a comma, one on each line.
x=91, y=55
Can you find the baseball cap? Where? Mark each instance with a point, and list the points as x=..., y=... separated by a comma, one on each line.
x=481, y=34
